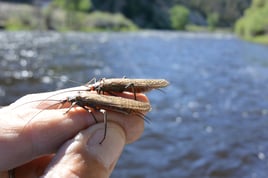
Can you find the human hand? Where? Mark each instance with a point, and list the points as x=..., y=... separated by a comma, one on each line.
x=54, y=144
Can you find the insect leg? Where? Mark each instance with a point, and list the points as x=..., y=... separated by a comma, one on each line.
x=131, y=85
x=74, y=103
x=93, y=80
x=105, y=124
x=99, y=88
x=61, y=104
x=95, y=119
x=88, y=110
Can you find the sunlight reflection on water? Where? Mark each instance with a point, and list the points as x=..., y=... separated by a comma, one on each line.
x=210, y=122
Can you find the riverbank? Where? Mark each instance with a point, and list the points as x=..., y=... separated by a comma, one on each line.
x=14, y=16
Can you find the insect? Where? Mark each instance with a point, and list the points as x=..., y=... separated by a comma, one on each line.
x=102, y=103
x=130, y=85
x=118, y=104
x=94, y=101
x=105, y=102
x=122, y=84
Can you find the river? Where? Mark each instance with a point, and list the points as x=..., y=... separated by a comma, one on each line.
x=211, y=122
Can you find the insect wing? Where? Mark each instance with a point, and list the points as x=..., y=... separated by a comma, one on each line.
x=115, y=103
x=138, y=85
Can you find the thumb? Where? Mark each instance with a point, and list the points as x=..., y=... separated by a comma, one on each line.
x=84, y=156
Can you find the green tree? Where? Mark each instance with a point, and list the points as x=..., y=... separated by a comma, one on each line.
x=74, y=9
x=155, y=13
x=179, y=16
x=258, y=3
x=73, y=5
x=213, y=20
x=254, y=23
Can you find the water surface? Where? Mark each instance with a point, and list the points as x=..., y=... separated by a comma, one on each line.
x=210, y=122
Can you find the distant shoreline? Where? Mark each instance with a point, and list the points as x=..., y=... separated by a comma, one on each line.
x=17, y=16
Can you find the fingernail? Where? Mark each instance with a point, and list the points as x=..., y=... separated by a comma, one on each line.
x=110, y=149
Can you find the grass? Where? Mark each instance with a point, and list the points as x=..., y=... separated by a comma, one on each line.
x=197, y=28
x=262, y=39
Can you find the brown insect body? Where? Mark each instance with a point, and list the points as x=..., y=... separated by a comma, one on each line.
x=118, y=104
x=105, y=102
x=131, y=85
x=88, y=100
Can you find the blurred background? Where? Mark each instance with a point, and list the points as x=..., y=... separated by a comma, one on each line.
x=209, y=123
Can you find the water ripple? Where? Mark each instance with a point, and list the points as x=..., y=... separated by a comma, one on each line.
x=210, y=122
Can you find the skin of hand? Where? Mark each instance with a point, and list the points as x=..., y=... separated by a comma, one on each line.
x=39, y=139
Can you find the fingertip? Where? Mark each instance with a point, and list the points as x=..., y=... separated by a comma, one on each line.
x=85, y=154
x=142, y=97
x=107, y=147
x=139, y=96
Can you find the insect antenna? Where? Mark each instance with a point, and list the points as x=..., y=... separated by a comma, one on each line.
x=41, y=111
x=161, y=90
x=132, y=86
x=41, y=100
x=105, y=124
x=61, y=102
x=93, y=80
x=46, y=99
x=143, y=117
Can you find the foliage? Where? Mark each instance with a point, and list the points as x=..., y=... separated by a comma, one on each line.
x=229, y=10
x=263, y=39
x=213, y=20
x=15, y=24
x=22, y=17
x=61, y=20
x=75, y=20
x=105, y=21
x=258, y=3
x=155, y=13
x=179, y=16
x=255, y=22
x=73, y=5
x=26, y=17
x=55, y=18
x=196, y=28
x=146, y=14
